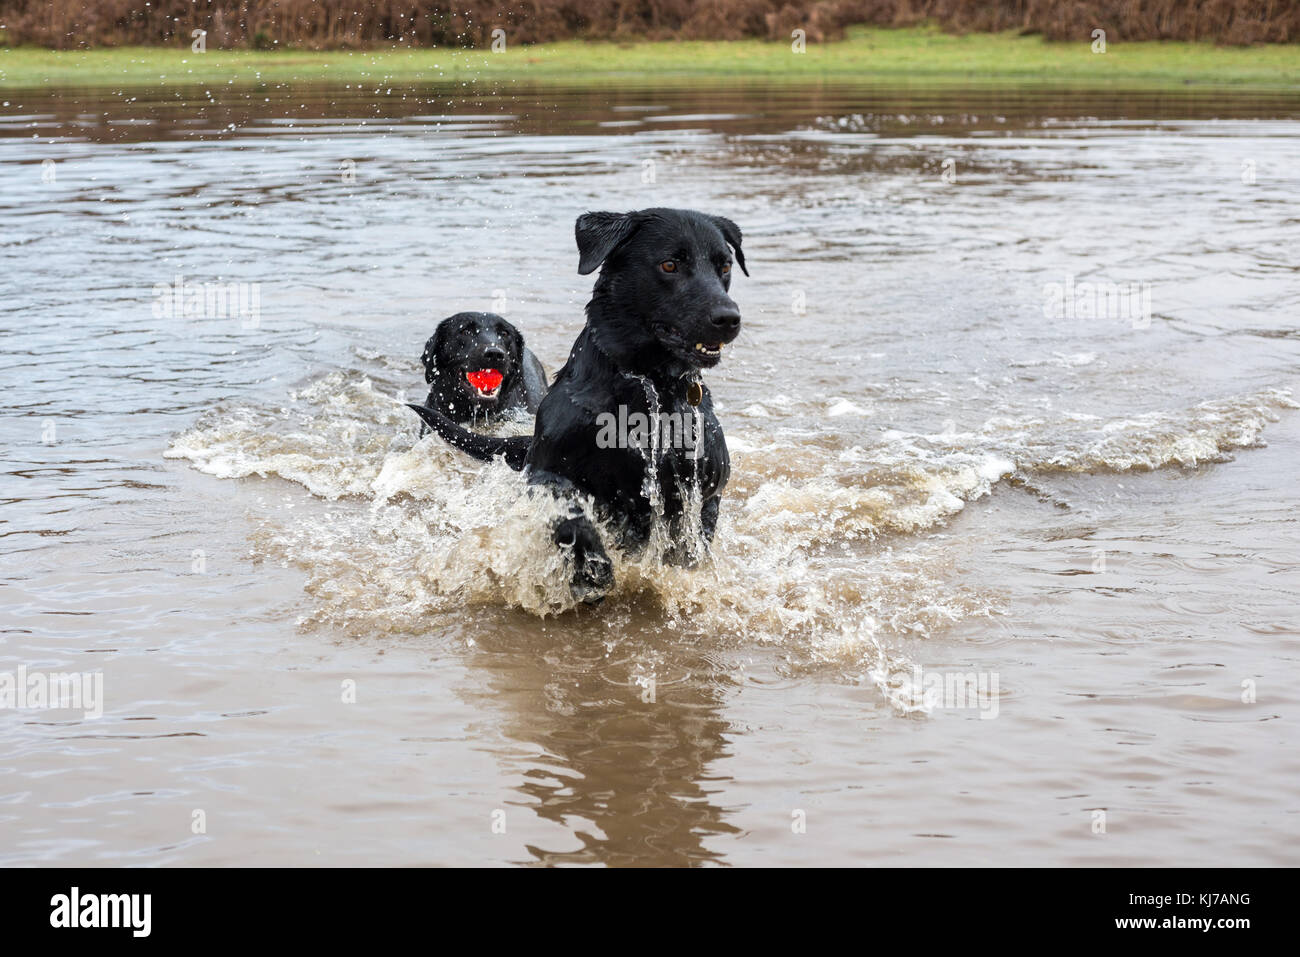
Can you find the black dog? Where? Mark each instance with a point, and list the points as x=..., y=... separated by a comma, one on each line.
x=479, y=369
x=660, y=313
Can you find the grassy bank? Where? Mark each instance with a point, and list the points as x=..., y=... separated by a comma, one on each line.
x=914, y=55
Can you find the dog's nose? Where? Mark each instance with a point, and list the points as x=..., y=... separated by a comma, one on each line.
x=494, y=354
x=728, y=320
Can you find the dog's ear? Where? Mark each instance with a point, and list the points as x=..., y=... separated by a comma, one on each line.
x=598, y=235
x=431, y=349
x=517, y=340
x=731, y=233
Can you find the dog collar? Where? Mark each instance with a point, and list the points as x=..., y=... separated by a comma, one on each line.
x=695, y=391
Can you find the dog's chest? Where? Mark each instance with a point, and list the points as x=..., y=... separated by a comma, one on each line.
x=675, y=435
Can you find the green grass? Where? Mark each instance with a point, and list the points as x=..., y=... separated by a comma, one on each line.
x=921, y=55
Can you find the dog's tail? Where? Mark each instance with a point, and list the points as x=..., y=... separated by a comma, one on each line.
x=513, y=448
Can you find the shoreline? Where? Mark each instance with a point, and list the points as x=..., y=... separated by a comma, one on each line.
x=911, y=56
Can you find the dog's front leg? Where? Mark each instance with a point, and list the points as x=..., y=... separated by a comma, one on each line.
x=709, y=517
x=591, y=573
x=691, y=546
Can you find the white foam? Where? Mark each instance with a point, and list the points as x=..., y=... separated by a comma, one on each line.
x=422, y=533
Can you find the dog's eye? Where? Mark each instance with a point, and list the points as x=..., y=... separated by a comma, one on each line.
x=726, y=269
x=668, y=266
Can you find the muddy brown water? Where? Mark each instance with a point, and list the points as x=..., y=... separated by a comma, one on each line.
x=1013, y=402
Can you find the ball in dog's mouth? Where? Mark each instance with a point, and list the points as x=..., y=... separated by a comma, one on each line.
x=485, y=382
x=709, y=350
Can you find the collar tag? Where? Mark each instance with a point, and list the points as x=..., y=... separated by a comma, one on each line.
x=695, y=392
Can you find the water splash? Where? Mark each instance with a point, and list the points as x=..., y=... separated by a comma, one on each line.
x=815, y=552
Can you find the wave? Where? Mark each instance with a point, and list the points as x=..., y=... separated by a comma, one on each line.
x=817, y=550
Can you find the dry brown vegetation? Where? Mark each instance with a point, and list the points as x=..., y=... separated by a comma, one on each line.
x=332, y=24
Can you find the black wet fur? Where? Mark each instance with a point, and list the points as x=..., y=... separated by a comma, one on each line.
x=638, y=349
x=471, y=341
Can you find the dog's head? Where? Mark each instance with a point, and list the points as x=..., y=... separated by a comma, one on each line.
x=665, y=276
x=475, y=356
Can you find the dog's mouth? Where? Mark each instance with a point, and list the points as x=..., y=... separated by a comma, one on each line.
x=484, y=383
x=704, y=355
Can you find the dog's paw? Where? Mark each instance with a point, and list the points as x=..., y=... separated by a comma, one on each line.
x=591, y=572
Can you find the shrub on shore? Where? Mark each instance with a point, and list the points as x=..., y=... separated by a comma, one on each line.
x=343, y=24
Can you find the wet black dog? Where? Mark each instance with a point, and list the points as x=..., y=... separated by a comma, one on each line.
x=479, y=369
x=659, y=315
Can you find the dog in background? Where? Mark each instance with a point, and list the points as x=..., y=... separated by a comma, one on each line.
x=660, y=314
x=479, y=369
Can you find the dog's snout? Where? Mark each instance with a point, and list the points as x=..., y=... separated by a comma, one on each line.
x=494, y=354
x=726, y=319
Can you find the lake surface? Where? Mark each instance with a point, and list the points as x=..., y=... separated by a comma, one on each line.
x=1014, y=400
